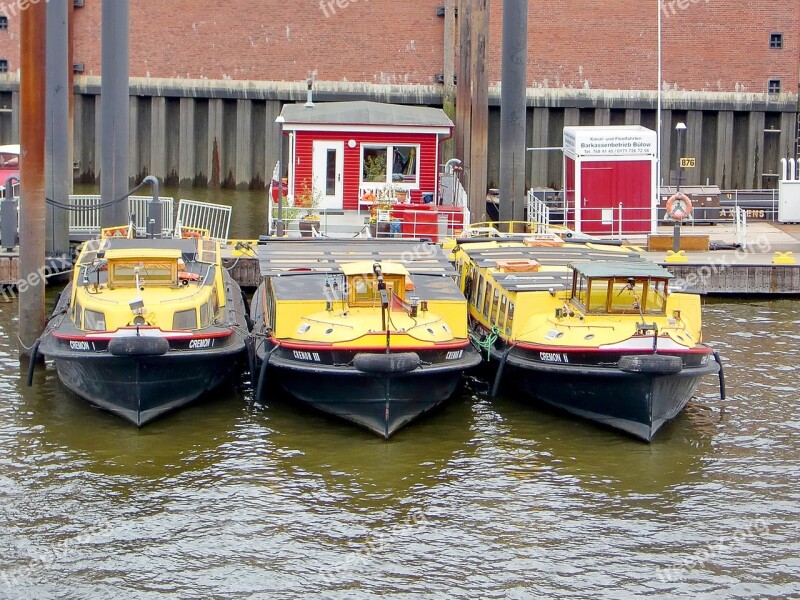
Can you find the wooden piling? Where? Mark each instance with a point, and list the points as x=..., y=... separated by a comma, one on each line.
x=32, y=211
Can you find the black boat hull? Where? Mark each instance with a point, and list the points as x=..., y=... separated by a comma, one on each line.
x=141, y=388
x=382, y=400
x=638, y=403
x=141, y=378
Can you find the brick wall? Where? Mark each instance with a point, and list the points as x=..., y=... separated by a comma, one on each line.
x=709, y=45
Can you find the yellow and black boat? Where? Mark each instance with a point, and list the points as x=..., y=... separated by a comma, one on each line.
x=372, y=332
x=147, y=325
x=590, y=328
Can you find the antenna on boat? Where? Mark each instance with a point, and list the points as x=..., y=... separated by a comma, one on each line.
x=376, y=268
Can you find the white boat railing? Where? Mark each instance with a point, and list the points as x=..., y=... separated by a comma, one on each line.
x=216, y=218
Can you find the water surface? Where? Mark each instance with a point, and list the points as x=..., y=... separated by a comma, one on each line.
x=233, y=498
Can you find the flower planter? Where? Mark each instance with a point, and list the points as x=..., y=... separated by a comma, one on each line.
x=379, y=229
x=308, y=227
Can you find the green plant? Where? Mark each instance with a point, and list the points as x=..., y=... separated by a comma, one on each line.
x=375, y=168
x=290, y=213
x=308, y=199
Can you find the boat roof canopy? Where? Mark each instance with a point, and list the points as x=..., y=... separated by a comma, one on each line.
x=620, y=269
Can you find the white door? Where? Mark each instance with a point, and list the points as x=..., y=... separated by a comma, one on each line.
x=326, y=173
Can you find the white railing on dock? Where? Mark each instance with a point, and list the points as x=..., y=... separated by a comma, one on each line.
x=87, y=220
x=216, y=218
x=538, y=213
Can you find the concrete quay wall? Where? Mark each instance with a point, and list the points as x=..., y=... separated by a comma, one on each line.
x=222, y=133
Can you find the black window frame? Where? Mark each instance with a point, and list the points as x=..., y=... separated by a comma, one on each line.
x=776, y=41
x=774, y=86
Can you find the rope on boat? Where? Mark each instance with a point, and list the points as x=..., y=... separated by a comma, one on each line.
x=500, y=368
x=487, y=342
x=32, y=363
x=722, y=393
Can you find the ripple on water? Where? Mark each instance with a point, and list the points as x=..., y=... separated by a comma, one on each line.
x=486, y=498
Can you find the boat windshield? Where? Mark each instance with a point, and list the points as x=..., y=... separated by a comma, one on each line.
x=153, y=272
x=620, y=295
x=363, y=289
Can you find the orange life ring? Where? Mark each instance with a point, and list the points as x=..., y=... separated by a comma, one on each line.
x=187, y=234
x=188, y=276
x=679, y=207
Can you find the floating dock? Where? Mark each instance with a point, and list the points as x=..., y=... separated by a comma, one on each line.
x=769, y=264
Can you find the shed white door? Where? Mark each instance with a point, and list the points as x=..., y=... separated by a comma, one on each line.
x=326, y=173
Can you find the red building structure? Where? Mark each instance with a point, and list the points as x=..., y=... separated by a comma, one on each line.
x=349, y=155
x=340, y=150
x=610, y=179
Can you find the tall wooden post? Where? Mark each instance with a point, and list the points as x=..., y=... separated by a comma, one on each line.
x=464, y=87
x=513, y=103
x=479, y=132
x=114, y=101
x=32, y=212
x=449, y=92
x=71, y=93
x=59, y=169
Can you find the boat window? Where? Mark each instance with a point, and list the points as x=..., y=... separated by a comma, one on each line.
x=364, y=288
x=502, y=316
x=474, y=286
x=204, y=315
x=495, y=305
x=214, y=303
x=478, y=296
x=510, y=318
x=160, y=272
x=656, y=297
x=185, y=319
x=94, y=321
x=270, y=305
x=580, y=289
x=626, y=295
x=77, y=315
x=487, y=299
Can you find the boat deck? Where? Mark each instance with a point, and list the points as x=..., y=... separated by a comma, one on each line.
x=554, y=260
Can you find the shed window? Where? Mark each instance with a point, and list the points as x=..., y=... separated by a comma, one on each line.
x=388, y=164
x=774, y=86
x=3, y=23
x=776, y=41
x=3, y=65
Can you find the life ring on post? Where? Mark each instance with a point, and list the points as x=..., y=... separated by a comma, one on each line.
x=679, y=207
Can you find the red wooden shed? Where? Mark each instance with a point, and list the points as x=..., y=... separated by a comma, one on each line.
x=610, y=179
x=342, y=149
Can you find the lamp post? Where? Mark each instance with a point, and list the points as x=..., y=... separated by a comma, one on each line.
x=279, y=227
x=680, y=130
